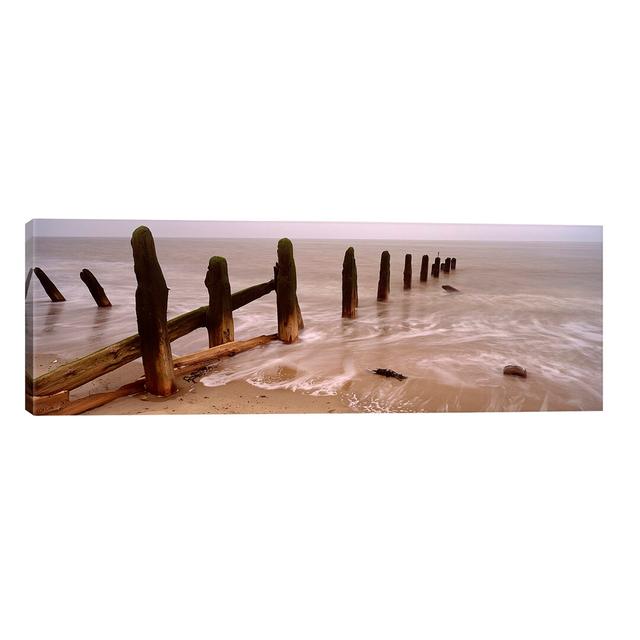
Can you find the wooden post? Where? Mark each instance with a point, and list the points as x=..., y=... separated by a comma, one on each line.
x=436, y=268
x=28, y=280
x=453, y=264
x=424, y=268
x=407, y=271
x=151, y=312
x=48, y=286
x=219, y=317
x=349, y=284
x=446, y=265
x=287, y=300
x=94, y=288
x=384, y=281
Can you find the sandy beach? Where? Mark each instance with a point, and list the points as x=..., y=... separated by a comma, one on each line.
x=193, y=397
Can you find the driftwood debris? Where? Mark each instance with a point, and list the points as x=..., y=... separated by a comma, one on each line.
x=450, y=289
x=424, y=268
x=287, y=300
x=384, y=281
x=389, y=373
x=406, y=277
x=219, y=317
x=95, y=289
x=151, y=313
x=48, y=286
x=514, y=370
x=349, y=284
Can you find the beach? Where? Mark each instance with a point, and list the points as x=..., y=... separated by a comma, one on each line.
x=192, y=397
x=537, y=305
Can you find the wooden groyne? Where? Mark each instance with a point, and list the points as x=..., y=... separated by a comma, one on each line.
x=50, y=392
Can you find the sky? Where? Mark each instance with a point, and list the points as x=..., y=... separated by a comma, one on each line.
x=319, y=230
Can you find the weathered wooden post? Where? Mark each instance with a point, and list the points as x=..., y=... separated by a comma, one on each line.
x=384, y=282
x=151, y=313
x=94, y=288
x=447, y=265
x=349, y=284
x=287, y=300
x=219, y=317
x=28, y=280
x=407, y=271
x=49, y=287
x=453, y=264
x=424, y=268
x=436, y=268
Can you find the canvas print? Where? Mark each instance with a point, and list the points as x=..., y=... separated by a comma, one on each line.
x=177, y=317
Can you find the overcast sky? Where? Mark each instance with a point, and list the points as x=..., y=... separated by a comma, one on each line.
x=328, y=230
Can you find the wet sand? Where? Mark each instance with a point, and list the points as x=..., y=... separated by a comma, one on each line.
x=194, y=397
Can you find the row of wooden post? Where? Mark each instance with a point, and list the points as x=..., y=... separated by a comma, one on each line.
x=350, y=278
x=54, y=294
x=151, y=307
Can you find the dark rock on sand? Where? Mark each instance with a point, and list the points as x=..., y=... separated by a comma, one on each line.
x=450, y=289
x=514, y=370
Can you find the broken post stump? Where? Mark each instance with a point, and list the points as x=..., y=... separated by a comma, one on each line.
x=407, y=271
x=384, y=282
x=151, y=313
x=349, y=284
x=453, y=264
x=219, y=317
x=94, y=288
x=287, y=300
x=424, y=268
x=48, y=286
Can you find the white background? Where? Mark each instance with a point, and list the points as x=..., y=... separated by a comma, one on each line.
x=437, y=526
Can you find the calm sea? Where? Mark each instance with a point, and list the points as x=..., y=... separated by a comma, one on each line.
x=538, y=305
